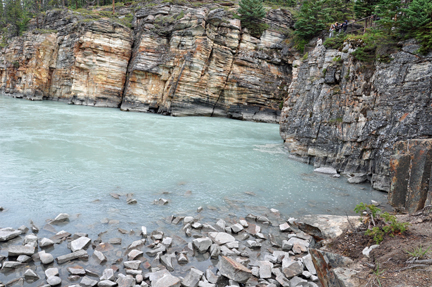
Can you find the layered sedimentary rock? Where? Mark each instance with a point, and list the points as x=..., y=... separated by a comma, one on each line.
x=349, y=115
x=85, y=62
x=175, y=60
x=197, y=61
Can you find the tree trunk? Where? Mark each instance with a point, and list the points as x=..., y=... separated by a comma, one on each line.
x=113, y=7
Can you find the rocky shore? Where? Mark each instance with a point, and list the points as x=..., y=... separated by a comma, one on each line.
x=257, y=250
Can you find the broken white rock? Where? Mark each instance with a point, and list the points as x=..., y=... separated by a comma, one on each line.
x=182, y=259
x=100, y=256
x=221, y=237
x=80, y=254
x=307, y=261
x=167, y=280
x=51, y=272
x=221, y=224
x=367, y=250
x=16, y=250
x=23, y=258
x=62, y=217
x=284, y=227
x=132, y=264
x=88, y=282
x=45, y=258
x=8, y=233
x=202, y=244
x=108, y=274
x=236, y=228
x=45, y=242
x=134, y=254
x=80, y=243
x=193, y=278
x=125, y=281
x=243, y=223
x=265, y=268
x=11, y=264
x=77, y=270
x=188, y=219
x=54, y=280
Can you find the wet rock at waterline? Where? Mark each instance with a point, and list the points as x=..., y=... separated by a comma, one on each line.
x=8, y=233
x=239, y=259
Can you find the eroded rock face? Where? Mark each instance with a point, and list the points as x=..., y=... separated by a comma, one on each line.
x=84, y=64
x=349, y=115
x=176, y=60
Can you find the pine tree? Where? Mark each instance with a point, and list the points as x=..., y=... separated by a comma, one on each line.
x=251, y=13
x=364, y=8
x=388, y=12
x=310, y=20
x=417, y=15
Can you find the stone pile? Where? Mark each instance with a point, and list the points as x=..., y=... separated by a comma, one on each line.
x=254, y=251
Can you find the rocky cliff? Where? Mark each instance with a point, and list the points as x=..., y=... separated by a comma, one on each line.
x=349, y=115
x=174, y=60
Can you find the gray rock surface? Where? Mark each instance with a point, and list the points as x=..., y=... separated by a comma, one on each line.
x=8, y=233
x=80, y=243
x=15, y=250
x=202, y=244
x=351, y=117
x=193, y=278
x=54, y=280
x=46, y=258
x=233, y=270
x=80, y=254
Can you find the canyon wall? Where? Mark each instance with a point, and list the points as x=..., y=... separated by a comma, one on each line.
x=350, y=115
x=174, y=60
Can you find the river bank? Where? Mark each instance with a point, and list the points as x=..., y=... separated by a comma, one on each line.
x=262, y=249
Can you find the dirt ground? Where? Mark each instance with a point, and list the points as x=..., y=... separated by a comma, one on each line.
x=392, y=255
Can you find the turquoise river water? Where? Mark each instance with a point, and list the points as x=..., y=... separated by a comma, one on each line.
x=58, y=158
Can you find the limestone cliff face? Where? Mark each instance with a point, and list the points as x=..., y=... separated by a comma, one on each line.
x=175, y=60
x=85, y=63
x=349, y=115
x=197, y=61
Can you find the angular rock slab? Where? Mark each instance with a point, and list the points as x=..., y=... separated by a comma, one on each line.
x=80, y=254
x=16, y=250
x=80, y=243
x=202, y=244
x=221, y=237
x=8, y=233
x=193, y=278
x=233, y=270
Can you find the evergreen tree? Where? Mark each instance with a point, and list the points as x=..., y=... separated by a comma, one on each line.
x=16, y=16
x=389, y=14
x=311, y=19
x=364, y=8
x=417, y=15
x=251, y=12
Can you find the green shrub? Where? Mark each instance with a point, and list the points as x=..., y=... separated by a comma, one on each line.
x=305, y=56
x=180, y=16
x=424, y=36
x=383, y=223
x=335, y=42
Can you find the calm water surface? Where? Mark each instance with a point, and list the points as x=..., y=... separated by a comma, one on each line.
x=61, y=158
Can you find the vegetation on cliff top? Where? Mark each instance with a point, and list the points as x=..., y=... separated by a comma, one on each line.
x=390, y=20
